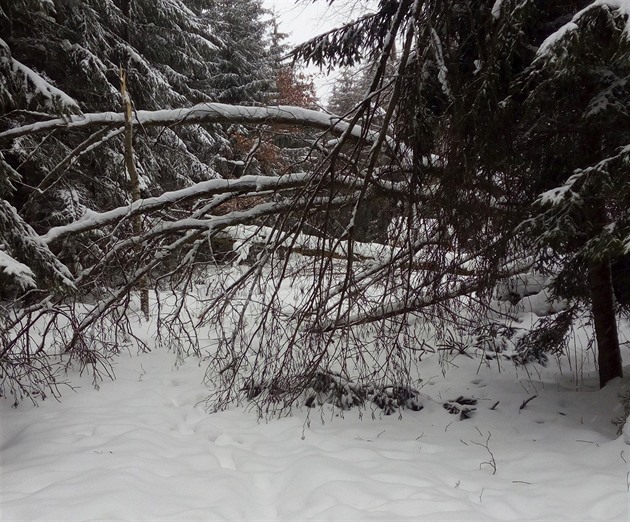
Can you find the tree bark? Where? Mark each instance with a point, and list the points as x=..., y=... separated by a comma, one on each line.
x=134, y=181
x=205, y=113
x=603, y=308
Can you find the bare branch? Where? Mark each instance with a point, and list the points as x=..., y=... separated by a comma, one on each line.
x=92, y=220
x=203, y=113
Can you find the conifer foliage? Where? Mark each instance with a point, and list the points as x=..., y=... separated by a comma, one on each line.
x=64, y=58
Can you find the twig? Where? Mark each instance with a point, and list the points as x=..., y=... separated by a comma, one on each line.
x=588, y=442
x=492, y=462
x=527, y=401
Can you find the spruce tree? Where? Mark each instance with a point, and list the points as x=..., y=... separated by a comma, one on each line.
x=65, y=58
x=243, y=69
x=575, y=132
x=515, y=113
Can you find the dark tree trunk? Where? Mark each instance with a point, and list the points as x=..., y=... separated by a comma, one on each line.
x=603, y=307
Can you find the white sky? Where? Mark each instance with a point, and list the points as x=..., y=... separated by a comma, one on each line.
x=304, y=19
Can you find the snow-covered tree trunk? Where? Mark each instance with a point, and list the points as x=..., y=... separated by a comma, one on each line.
x=134, y=181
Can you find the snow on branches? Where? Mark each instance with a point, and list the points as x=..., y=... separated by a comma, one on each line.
x=36, y=86
x=206, y=113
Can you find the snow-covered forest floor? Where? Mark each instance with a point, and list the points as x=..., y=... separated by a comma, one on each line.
x=143, y=448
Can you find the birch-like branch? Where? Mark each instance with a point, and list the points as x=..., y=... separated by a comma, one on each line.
x=92, y=220
x=203, y=113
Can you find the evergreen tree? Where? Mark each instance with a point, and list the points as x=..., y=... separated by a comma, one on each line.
x=61, y=58
x=65, y=57
x=347, y=92
x=243, y=69
x=516, y=115
x=574, y=132
x=80, y=49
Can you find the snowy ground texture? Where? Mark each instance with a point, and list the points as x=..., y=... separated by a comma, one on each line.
x=141, y=448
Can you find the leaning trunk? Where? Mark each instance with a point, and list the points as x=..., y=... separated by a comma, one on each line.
x=603, y=307
x=134, y=181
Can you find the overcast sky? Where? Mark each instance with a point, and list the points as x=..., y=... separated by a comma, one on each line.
x=304, y=19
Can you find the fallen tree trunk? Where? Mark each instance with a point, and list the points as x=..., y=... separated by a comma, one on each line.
x=203, y=113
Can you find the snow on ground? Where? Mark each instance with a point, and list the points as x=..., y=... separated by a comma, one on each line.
x=142, y=448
